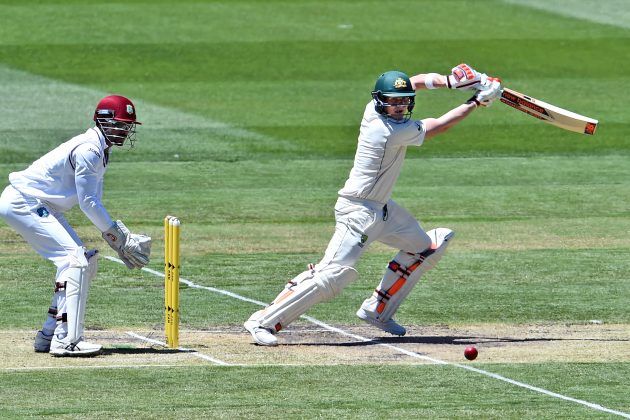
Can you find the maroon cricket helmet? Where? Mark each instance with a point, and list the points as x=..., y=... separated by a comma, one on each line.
x=115, y=115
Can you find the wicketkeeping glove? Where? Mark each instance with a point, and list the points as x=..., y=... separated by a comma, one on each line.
x=137, y=249
x=464, y=77
x=133, y=249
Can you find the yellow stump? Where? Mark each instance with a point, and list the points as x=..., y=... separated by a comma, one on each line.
x=171, y=280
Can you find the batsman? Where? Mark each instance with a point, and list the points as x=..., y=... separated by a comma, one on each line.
x=34, y=203
x=365, y=212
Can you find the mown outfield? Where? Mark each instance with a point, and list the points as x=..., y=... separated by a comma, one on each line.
x=250, y=115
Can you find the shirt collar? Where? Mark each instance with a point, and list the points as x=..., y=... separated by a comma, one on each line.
x=101, y=137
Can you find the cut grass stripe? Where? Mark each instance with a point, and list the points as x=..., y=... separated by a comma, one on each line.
x=609, y=12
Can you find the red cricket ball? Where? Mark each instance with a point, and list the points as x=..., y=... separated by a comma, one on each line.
x=470, y=353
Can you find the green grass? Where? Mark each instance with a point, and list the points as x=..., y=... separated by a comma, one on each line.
x=312, y=392
x=250, y=115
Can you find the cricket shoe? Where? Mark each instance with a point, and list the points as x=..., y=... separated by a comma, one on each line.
x=81, y=348
x=261, y=335
x=389, y=326
x=42, y=342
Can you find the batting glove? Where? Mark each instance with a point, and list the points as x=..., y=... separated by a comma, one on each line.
x=488, y=93
x=464, y=77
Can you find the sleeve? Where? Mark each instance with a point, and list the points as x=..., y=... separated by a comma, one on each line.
x=88, y=177
x=409, y=134
x=99, y=191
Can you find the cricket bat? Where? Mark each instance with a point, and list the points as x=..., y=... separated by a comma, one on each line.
x=549, y=113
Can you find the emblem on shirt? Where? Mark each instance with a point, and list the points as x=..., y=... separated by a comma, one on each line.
x=42, y=212
x=400, y=83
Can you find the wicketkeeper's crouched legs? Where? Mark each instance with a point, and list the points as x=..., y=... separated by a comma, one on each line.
x=75, y=281
x=45, y=335
x=299, y=295
x=50, y=235
x=400, y=277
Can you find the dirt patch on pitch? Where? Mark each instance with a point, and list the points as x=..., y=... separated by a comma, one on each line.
x=305, y=344
x=119, y=350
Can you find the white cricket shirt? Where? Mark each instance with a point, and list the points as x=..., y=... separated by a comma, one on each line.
x=68, y=175
x=380, y=154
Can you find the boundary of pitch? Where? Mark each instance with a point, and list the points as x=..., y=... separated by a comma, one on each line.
x=357, y=337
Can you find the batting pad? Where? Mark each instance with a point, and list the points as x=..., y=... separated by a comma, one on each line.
x=402, y=275
x=303, y=292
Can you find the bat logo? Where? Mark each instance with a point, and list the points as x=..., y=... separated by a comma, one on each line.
x=524, y=102
x=549, y=113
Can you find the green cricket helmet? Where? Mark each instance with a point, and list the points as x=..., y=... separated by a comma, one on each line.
x=393, y=84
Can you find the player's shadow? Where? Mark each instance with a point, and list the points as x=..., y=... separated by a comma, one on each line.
x=142, y=350
x=478, y=339
x=447, y=340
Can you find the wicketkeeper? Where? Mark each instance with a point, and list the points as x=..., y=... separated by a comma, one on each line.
x=365, y=212
x=34, y=204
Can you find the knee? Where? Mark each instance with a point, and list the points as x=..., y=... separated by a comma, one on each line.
x=440, y=237
x=420, y=242
x=425, y=242
x=331, y=280
x=76, y=258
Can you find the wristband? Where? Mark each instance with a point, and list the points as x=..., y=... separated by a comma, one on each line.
x=474, y=100
x=428, y=80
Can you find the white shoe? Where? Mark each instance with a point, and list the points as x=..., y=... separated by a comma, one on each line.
x=81, y=348
x=261, y=335
x=42, y=342
x=390, y=326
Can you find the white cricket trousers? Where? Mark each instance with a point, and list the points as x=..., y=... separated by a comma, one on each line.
x=361, y=222
x=45, y=229
x=358, y=224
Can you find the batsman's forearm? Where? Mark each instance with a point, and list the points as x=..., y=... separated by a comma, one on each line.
x=439, y=125
x=455, y=115
x=428, y=81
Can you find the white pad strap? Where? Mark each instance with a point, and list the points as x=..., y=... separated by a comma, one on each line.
x=403, y=274
x=304, y=291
